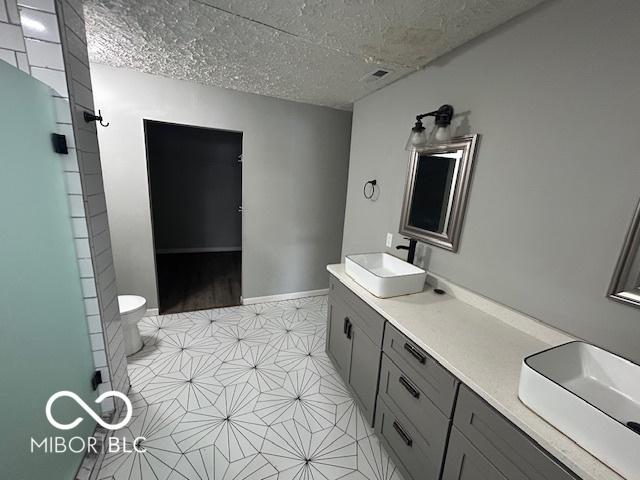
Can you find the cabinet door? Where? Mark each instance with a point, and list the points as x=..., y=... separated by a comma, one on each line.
x=365, y=366
x=338, y=344
x=464, y=462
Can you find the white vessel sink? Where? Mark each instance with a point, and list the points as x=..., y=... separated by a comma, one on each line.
x=385, y=275
x=590, y=395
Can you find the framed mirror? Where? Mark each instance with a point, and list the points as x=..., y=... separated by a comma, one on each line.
x=438, y=180
x=625, y=284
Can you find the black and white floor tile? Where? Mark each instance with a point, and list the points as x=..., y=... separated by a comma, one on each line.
x=244, y=393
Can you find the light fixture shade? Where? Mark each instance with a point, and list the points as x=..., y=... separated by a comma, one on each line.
x=440, y=134
x=417, y=138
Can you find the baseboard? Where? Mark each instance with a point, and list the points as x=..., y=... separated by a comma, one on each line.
x=151, y=312
x=284, y=296
x=199, y=250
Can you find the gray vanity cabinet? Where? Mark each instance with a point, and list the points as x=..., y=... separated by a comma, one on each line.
x=481, y=435
x=338, y=343
x=354, y=340
x=434, y=427
x=465, y=462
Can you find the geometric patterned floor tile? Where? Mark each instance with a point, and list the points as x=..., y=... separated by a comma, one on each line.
x=244, y=393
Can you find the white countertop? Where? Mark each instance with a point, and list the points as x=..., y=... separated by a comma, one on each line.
x=485, y=353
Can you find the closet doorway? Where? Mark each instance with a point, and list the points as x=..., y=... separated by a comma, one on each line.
x=195, y=188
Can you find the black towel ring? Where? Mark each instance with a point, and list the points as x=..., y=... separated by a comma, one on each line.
x=373, y=184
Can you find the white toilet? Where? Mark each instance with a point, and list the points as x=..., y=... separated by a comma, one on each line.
x=132, y=309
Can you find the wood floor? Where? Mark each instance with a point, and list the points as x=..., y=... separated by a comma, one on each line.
x=198, y=281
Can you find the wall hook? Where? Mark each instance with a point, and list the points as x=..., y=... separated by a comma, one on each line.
x=90, y=117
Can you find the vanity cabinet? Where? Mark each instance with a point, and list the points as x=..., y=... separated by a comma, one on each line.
x=432, y=426
x=354, y=340
x=481, y=436
x=416, y=396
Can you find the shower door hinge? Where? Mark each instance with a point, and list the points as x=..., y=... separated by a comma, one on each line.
x=96, y=379
x=59, y=142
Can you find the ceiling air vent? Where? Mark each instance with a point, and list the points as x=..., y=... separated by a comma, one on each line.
x=375, y=75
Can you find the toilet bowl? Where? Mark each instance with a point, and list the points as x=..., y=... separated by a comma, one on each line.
x=132, y=309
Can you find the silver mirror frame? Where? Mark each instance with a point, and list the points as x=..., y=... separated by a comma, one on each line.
x=618, y=289
x=449, y=239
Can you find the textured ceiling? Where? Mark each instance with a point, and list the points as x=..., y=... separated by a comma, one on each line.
x=313, y=52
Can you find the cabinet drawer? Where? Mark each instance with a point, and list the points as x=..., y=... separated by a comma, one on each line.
x=416, y=459
x=436, y=382
x=464, y=462
x=366, y=318
x=512, y=452
x=403, y=391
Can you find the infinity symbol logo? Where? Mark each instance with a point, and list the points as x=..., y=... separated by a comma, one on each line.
x=87, y=408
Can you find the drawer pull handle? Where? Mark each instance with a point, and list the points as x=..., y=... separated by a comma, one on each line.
x=349, y=330
x=410, y=388
x=405, y=438
x=414, y=351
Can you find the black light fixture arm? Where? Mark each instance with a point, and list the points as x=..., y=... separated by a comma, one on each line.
x=443, y=115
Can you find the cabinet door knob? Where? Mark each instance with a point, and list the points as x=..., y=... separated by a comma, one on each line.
x=405, y=437
x=415, y=353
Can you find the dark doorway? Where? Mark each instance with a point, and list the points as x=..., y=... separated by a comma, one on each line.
x=195, y=184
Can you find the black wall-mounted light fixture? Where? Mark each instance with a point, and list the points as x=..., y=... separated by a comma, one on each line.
x=441, y=131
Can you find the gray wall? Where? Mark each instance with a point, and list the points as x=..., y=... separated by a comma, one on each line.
x=294, y=177
x=555, y=95
x=196, y=188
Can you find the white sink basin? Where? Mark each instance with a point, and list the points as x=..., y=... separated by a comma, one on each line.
x=385, y=275
x=590, y=395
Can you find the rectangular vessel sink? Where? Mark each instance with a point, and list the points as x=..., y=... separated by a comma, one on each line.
x=592, y=396
x=385, y=275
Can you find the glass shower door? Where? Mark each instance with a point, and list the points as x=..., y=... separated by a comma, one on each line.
x=44, y=342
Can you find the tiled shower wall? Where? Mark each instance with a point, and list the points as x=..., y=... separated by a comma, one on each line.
x=57, y=56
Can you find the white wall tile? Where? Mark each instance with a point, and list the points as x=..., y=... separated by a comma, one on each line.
x=79, y=228
x=70, y=163
x=86, y=267
x=11, y=37
x=8, y=56
x=76, y=205
x=54, y=78
x=12, y=11
x=95, y=326
x=82, y=248
x=100, y=358
x=4, y=16
x=67, y=130
x=88, y=287
x=40, y=25
x=97, y=341
x=63, y=111
x=44, y=5
x=91, y=306
x=44, y=54
x=23, y=62
x=72, y=182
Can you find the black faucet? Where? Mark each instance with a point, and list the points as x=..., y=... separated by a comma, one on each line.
x=411, y=254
